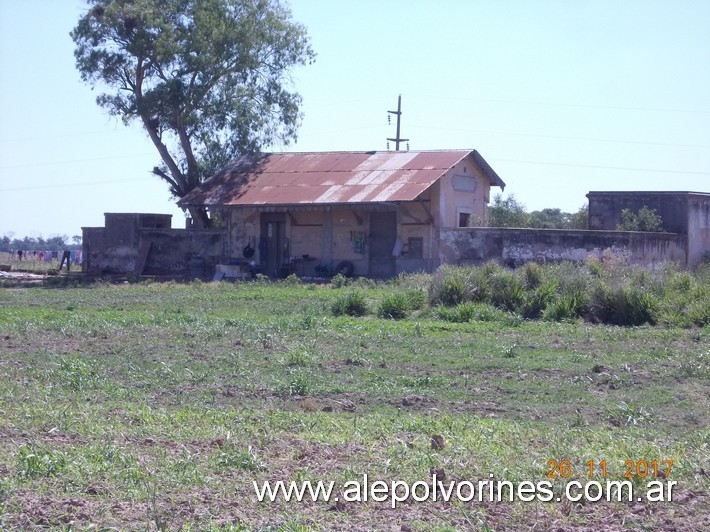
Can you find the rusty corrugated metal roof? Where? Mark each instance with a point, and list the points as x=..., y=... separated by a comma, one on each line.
x=330, y=178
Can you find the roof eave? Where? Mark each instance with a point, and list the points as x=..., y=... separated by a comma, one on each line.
x=491, y=174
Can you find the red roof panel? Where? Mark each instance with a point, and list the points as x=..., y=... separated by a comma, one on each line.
x=330, y=178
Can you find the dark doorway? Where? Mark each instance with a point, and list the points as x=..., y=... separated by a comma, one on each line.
x=273, y=245
x=383, y=234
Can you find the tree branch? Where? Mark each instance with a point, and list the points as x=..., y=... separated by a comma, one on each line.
x=157, y=171
x=187, y=149
x=178, y=177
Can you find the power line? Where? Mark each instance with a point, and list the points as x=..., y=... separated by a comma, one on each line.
x=562, y=104
x=77, y=184
x=543, y=163
x=560, y=137
x=75, y=161
x=60, y=136
x=602, y=167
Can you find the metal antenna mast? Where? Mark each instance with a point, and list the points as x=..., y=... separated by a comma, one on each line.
x=398, y=112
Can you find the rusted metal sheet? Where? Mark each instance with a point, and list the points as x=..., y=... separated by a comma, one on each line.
x=330, y=178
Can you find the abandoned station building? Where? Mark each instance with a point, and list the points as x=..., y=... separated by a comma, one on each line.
x=376, y=214
x=365, y=213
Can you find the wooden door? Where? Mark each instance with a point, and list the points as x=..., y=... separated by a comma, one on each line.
x=273, y=243
x=383, y=234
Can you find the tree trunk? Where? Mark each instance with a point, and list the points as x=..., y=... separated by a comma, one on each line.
x=200, y=220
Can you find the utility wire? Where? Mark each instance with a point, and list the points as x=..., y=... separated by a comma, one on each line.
x=76, y=161
x=625, y=168
x=560, y=137
x=543, y=163
x=76, y=184
x=560, y=104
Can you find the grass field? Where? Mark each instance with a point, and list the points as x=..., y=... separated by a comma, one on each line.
x=155, y=406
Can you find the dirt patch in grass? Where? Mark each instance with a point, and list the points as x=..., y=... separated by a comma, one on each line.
x=32, y=510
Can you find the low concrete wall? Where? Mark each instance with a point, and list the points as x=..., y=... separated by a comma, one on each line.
x=698, y=229
x=171, y=252
x=103, y=254
x=517, y=246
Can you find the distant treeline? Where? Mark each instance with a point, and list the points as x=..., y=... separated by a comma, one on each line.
x=30, y=243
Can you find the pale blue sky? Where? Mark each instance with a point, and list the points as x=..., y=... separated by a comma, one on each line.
x=560, y=97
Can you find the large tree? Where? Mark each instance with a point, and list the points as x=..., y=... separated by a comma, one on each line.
x=207, y=79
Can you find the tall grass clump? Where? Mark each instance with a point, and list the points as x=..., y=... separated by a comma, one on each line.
x=537, y=299
x=507, y=290
x=394, y=306
x=350, y=304
x=448, y=290
x=605, y=290
x=452, y=285
x=471, y=311
x=686, y=300
x=416, y=299
x=533, y=275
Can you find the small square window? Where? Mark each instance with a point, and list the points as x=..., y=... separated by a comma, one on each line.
x=464, y=219
x=416, y=248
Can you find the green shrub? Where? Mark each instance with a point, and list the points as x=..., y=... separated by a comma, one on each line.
x=471, y=311
x=632, y=305
x=394, y=306
x=645, y=280
x=506, y=290
x=461, y=313
x=644, y=219
x=416, y=299
x=532, y=273
x=601, y=302
x=537, y=300
x=606, y=291
x=339, y=281
x=680, y=282
x=350, y=304
x=362, y=282
x=698, y=312
x=566, y=307
x=292, y=280
x=596, y=268
x=451, y=291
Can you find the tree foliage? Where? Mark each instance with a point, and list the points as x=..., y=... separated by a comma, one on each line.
x=644, y=219
x=550, y=219
x=508, y=212
x=36, y=243
x=580, y=219
x=207, y=79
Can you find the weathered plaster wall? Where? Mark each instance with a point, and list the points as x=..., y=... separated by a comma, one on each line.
x=172, y=250
x=698, y=229
x=605, y=208
x=516, y=246
x=170, y=253
x=306, y=234
x=102, y=253
x=463, y=189
x=243, y=229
